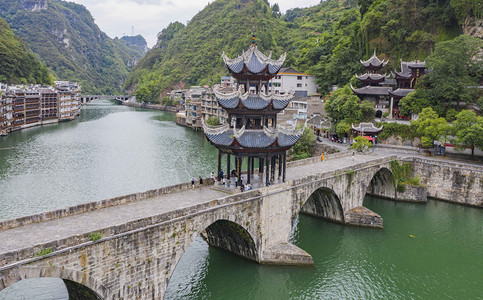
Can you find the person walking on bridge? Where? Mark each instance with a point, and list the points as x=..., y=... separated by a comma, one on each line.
x=201, y=182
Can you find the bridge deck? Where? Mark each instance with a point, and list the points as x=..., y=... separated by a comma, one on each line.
x=45, y=232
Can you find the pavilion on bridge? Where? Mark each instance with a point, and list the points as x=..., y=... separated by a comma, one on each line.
x=251, y=131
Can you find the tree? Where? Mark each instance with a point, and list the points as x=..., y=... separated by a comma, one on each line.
x=430, y=127
x=468, y=130
x=457, y=67
x=361, y=144
x=213, y=121
x=303, y=148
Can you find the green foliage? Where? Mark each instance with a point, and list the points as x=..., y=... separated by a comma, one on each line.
x=457, y=67
x=303, y=148
x=44, y=251
x=344, y=109
x=213, y=121
x=406, y=132
x=361, y=144
x=468, y=130
x=68, y=41
x=430, y=127
x=402, y=175
x=17, y=64
x=95, y=236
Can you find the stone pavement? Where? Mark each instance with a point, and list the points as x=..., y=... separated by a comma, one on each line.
x=44, y=232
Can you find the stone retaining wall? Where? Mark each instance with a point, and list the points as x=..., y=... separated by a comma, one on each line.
x=413, y=194
x=451, y=181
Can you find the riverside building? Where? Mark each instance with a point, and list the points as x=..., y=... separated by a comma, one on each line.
x=251, y=132
x=387, y=90
x=27, y=106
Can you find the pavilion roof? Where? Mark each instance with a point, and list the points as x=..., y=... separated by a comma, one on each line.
x=238, y=99
x=400, y=92
x=407, y=66
x=254, y=138
x=371, y=76
x=372, y=90
x=367, y=128
x=374, y=62
x=254, y=61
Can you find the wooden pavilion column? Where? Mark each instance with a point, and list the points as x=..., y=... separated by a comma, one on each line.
x=249, y=170
x=280, y=162
x=272, y=169
x=267, y=175
x=219, y=164
x=260, y=168
x=284, y=166
x=228, y=165
x=239, y=170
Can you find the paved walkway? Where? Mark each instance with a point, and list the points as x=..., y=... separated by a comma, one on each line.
x=48, y=231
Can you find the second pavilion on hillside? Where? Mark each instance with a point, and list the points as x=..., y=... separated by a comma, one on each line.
x=251, y=132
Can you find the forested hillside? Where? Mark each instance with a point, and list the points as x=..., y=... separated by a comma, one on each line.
x=65, y=37
x=327, y=40
x=17, y=63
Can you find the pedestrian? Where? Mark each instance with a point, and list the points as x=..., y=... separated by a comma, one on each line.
x=221, y=174
x=241, y=188
x=353, y=156
x=201, y=182
x=213, y=178
x=193, y=183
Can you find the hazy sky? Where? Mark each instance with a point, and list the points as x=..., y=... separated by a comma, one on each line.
x=117, y=17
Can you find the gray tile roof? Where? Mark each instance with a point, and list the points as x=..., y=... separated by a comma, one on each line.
x=401, y=92
x=223, y=139
x=254, y=102
x=255, y=139
x=254, y=65
x=228, y=103
x=372, y=90
x=236, y=67
x=285, y=140
x=280, y=104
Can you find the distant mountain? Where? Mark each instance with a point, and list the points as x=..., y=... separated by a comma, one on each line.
x=136, y=42
x=65, y=36
x=17, y=63
x=192, y=53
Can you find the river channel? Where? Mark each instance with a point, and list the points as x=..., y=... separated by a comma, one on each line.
x=114, y=150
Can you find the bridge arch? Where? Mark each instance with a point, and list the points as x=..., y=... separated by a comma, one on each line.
x=324, y=203
x=78, y=284
x=222, y=232
x=382, y=184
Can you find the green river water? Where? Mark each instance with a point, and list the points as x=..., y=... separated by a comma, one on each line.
x=114, y=150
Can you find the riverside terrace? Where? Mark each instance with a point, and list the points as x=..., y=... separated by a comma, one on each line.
x=144, y=235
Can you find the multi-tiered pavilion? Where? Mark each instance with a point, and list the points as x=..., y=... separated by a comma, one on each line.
x=251, y=132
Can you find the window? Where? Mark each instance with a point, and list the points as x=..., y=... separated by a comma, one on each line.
x=299, y=77
x=299, y=85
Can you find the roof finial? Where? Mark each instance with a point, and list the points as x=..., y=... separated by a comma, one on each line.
x=253, y=38
x=374, y=52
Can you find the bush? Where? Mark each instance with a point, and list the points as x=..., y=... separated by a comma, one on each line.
x=361, y=144
x=44, y=252
x=95, y=236
x=213, y=121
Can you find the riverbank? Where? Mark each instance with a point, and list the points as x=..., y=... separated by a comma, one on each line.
x=150, y=106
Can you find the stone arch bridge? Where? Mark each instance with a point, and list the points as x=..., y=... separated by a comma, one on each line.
x=135, y=259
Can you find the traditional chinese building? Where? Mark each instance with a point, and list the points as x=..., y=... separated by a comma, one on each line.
x=406, y=83
x=251, y=132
